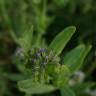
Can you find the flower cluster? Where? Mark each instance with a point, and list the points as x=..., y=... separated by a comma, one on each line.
x=42, y=56
x=37, y=60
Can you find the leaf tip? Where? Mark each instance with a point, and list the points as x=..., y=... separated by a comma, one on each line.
x=72, y=28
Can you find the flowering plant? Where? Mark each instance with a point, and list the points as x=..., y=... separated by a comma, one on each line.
x=43, y=68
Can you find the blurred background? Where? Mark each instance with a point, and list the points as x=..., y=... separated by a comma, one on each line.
x=46, y=18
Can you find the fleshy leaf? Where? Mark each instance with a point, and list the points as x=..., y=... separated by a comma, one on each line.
x=75, y=58
x=62, y=39
x=30, y=87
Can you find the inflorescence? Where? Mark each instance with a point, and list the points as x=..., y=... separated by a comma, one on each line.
x=37, y=60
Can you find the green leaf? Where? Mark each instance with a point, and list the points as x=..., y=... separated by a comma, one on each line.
x=67, y=91
x=62, y=39
x=84, y=85
x=25, y=39
x=61, y=76
x=14, y=77
x=75, y=58
x=30, y=87
x=61, y=3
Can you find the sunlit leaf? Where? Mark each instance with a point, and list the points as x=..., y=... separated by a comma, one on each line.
x=30, y=87
x=62, y=39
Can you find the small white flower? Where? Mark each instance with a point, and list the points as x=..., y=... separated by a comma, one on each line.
x=78, y=77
